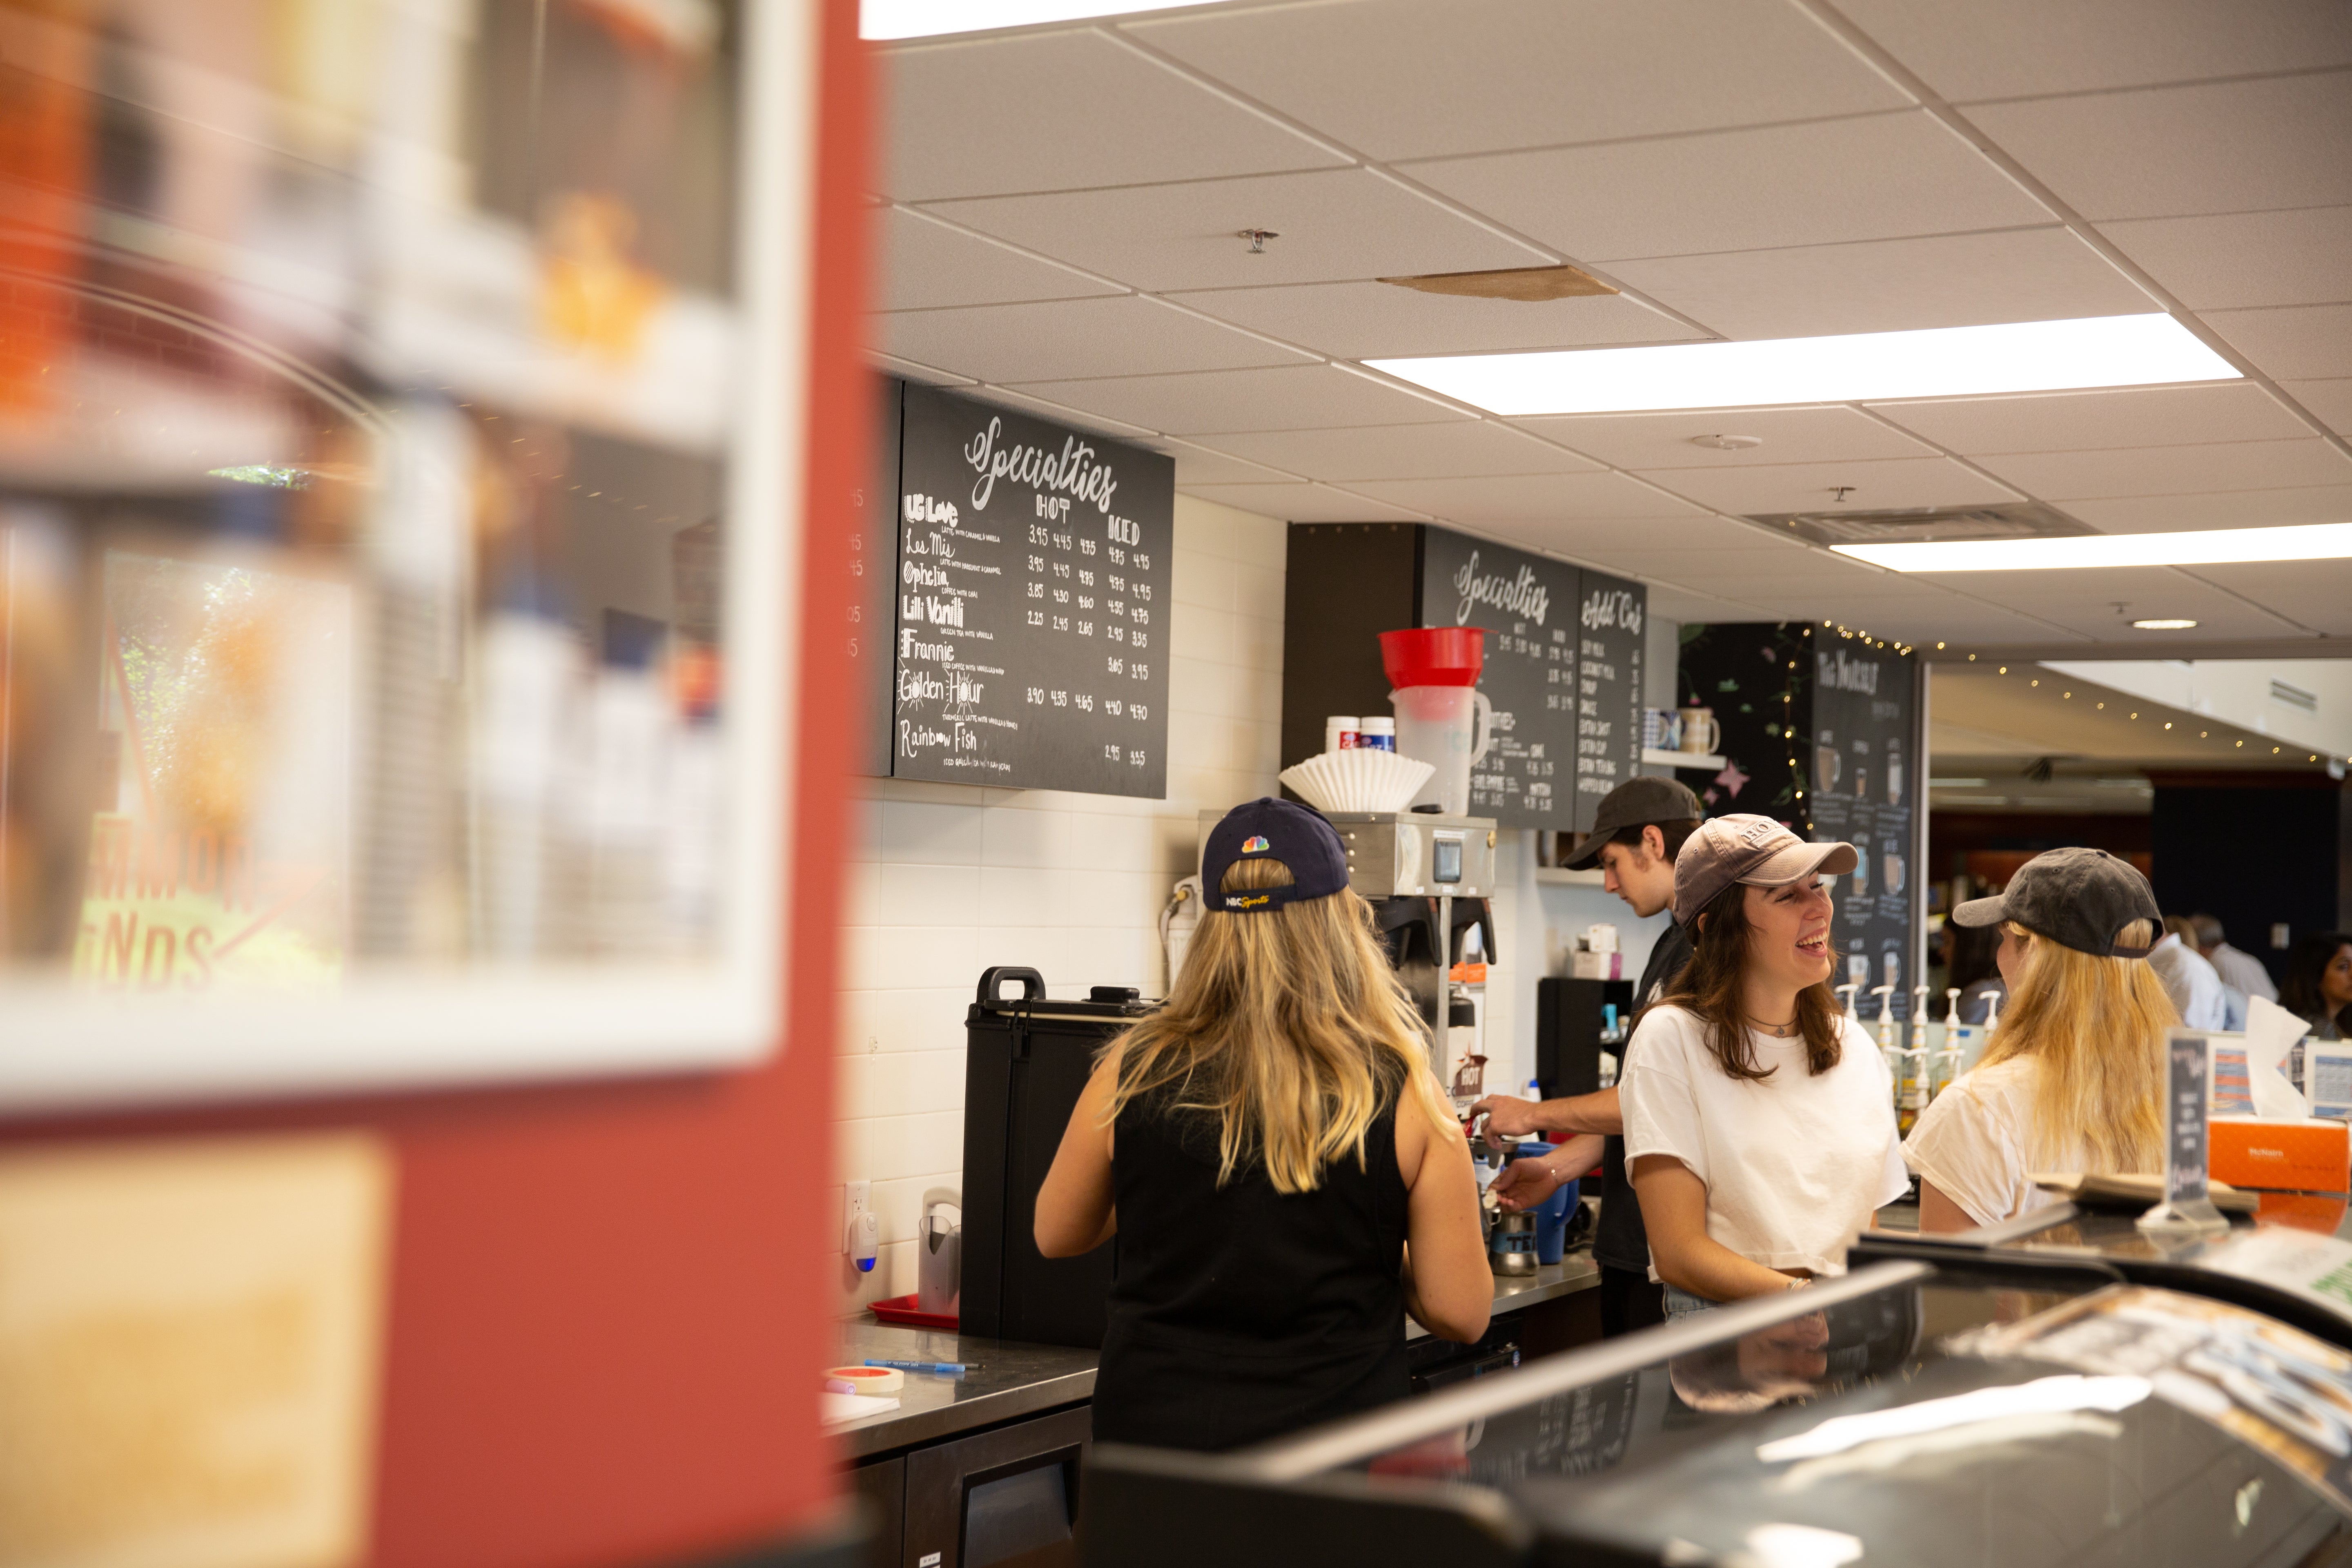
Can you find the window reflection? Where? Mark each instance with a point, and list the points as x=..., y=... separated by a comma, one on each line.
x=367, y=373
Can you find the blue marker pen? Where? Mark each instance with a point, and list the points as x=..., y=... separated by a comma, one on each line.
x=938, y=1368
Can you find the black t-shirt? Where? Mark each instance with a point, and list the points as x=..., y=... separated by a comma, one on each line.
x=1620, y=1242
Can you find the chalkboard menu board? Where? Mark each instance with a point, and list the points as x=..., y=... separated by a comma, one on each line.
x=1866, y=791
x=1032, y=617
x=1528, y=605
x=1610, y=614
x=870, y=615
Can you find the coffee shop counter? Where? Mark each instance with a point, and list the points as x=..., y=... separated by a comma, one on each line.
x=1009, y=1380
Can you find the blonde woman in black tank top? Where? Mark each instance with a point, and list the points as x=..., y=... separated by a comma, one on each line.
x=1283, y=1176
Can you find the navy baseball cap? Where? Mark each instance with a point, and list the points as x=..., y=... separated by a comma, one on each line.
x=1300, y=837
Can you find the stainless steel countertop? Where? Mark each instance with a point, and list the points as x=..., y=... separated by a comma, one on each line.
x=1011, y=1380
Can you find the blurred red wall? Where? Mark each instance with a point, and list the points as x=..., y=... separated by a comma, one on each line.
x=608, y=1300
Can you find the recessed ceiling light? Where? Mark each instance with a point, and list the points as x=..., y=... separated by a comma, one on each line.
x=929, y=18
x=2162, y=626
x=1939, y=362
x=2302, y=541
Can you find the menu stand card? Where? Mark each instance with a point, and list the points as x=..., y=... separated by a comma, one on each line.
x=2188, y=1208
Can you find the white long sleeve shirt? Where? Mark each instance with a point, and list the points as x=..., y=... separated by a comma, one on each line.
x=2194, y=985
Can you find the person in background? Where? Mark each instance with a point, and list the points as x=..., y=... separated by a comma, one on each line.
x=2193, y=983
x=2242, y=970
x=1971, y=954
x=2318, y=988
x=1283, y=1172
x=2070, y=1080
x=1759, y=1124
x=1638, y=829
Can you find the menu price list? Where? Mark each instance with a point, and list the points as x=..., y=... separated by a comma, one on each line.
x=1866, y=792
x=1032, y=600
x=1610, y=618
x=1525, y=605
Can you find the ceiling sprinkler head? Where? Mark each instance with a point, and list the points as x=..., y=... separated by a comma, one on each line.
x=1258, y=239
x=1727, y=443
x=1839, y=492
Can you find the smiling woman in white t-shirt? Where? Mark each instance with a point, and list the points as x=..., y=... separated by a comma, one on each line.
x=1759, y=1126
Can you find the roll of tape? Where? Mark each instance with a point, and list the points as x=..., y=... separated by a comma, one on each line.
x=871, y=1379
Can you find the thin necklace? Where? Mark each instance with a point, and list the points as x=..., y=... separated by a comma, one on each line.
x=1778, y=1031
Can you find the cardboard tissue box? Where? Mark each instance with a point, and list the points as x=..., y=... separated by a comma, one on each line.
x=1584, y=965
x=2282, y=1153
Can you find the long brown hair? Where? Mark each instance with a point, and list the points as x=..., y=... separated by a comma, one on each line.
x=1290, y=1027
x=2097, y=1027
x=1710, y=988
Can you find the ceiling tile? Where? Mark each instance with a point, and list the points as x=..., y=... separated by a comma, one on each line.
x=1403, y=452
x=1668, y=440
x=2294, y=342
x=1811, y=486
x=2298, y=257
x=926, y=264
x=923, y=375
x=1301, y=503
x=2215, y=147
x=1718, y=568
x=1402, y=79
x=1055, y=112
x=1876, y=178
x=1067, y=338
x=1200, y=466
x=1375, y=321
x=1299, y=398
x=2330, y=402
x=2174, y=471
x=2086, y=601
x=2316, y=599
x=1527, y=497
x=1330, y=224
x=2017, y=49
x=1061, y=413
x=2224, y=509
x=2071, y=421
x=1890, y=285
x=1683, y=607
x=1606, y=541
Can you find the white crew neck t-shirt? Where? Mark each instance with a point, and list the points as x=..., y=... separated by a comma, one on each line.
x=1976, y=1143
x=1794, y=1164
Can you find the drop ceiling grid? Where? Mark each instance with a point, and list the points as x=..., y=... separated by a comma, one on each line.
x=1190, y=119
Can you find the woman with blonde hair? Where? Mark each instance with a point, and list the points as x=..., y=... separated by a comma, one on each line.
x=2070, y=1081
x=1284, y=1175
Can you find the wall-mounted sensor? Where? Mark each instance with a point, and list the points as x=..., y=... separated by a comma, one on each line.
x=864, y=1231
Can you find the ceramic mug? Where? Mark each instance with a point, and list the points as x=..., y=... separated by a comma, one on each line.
x=1701, y=734
x=1661, y=729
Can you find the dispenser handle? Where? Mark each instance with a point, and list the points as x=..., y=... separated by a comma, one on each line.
x=1033, y=984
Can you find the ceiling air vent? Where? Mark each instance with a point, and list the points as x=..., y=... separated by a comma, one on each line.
x=1927, y=524
x=2294, y=696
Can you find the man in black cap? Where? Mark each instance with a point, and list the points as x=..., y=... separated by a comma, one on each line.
x=1636, y=833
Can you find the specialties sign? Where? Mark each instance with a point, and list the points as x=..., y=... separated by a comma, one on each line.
x=1031, y=646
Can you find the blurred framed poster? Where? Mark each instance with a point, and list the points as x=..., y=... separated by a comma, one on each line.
x=400, y=478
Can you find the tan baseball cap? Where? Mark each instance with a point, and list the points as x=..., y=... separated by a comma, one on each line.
x=1755, y=851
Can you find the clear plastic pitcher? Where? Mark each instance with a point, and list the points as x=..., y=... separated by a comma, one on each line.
x=1448, y=727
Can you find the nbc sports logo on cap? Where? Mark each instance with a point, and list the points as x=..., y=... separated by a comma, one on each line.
x=1256, y=843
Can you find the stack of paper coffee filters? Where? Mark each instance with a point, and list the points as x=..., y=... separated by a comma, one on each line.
x=1358, y=779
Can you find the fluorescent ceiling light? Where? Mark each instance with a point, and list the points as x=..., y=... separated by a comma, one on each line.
x=2211, y=547
x=930, y=18
x=1940, y=362
x=2159, y=625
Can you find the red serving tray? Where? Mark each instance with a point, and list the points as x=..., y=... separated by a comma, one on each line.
x=902, y=1309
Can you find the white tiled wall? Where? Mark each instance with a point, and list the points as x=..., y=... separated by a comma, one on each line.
x=946, y=879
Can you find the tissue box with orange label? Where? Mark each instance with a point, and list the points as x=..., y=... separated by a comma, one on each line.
x=2280, y=1154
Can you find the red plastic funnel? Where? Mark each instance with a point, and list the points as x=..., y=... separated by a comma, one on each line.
x=1434, y=655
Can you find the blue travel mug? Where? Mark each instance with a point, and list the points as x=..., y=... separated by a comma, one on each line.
x=1551, y=1214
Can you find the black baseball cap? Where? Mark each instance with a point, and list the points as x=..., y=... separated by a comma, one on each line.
x=1300, y=837
x=1636, y=803
x=2078, y=898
